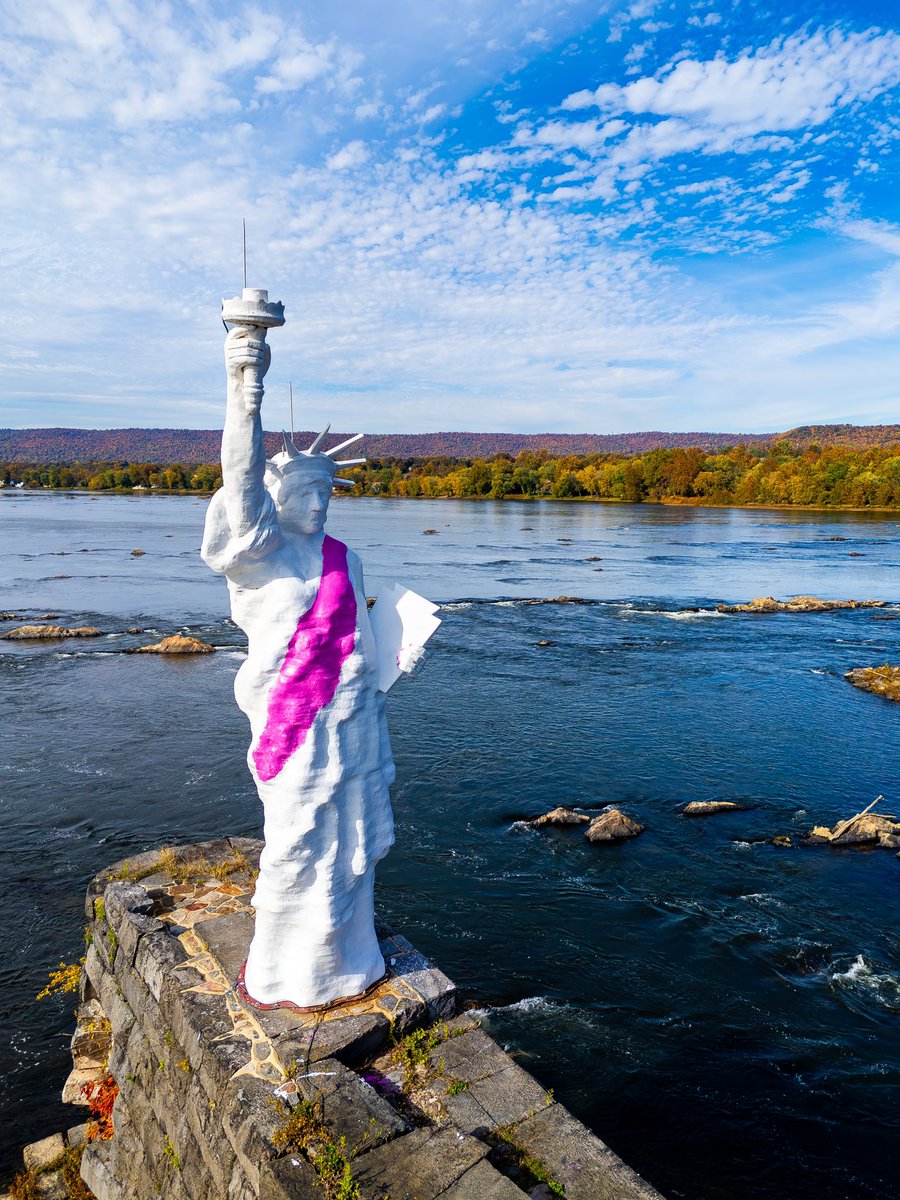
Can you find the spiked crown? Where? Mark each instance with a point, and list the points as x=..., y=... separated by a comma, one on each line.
x=313, y=460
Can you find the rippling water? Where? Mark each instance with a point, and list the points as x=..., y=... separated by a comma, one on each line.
x=724, y=1013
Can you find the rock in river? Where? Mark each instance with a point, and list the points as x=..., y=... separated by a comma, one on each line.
x=612, y=826
x=864, y=829
x=27, y=633
x=796, y=604
x=705, y=808
x=176, y=644
x=882, y=681
x=559, y=816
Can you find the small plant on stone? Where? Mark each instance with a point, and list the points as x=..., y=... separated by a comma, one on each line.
x=172, y=1155
x=71, y=1173
x=456, y=1087
x=514, y=1160
x=24, y=1187
x=412, y=1051
x=334, y=1172
x=100, y=1097
x=65, y=978
x=300, y=1126
x=100, y=909
x=303, y=1129
x=238, y=864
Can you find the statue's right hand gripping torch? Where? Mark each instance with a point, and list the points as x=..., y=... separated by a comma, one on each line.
x=253, y=310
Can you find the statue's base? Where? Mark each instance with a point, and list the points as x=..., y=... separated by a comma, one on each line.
x=338, y=1002
x=207, y=1083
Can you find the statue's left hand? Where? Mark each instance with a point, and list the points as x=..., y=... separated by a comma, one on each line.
x=411, y=659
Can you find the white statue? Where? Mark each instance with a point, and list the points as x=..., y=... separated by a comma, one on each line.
x=320, y=753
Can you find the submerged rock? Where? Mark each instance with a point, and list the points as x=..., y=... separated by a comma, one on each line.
x=881, y=681
x=705, y=808
x=561, y=600
x=559, y=816
x=781, y=839
x=612, y=826
x=8, y=616
x=26, y=633
x=138, y=553
x=796, y=604
x=175, y=644
x=865, y=829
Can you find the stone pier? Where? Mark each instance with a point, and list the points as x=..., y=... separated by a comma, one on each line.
x=393, y=1097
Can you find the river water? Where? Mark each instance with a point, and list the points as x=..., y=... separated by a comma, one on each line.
x=724, y=1013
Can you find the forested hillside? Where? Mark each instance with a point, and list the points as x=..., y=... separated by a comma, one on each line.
x=776, y=473
x=168, y=446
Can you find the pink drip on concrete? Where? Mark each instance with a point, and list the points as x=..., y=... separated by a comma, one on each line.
x=309, y=675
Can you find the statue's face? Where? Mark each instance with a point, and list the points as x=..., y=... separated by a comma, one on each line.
x=302, y=502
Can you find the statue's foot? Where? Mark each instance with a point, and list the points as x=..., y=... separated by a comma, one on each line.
x=241, y=988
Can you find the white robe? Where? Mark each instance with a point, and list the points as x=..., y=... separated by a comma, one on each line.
x=327, y=809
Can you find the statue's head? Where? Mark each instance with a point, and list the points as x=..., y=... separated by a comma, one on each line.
x=300, y=482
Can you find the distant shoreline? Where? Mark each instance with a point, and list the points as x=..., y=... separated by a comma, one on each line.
x=674, y=502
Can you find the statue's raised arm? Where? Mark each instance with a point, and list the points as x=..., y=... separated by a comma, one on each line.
x=247, y=359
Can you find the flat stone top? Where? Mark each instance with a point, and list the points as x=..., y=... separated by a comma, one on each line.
x=211, y=916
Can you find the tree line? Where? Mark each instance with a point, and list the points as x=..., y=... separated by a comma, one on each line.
x=780, y=473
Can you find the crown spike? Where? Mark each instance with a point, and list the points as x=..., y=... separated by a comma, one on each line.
x=343, y=446
x=349, y=462
x=288, y=446
x=343, y=482
x=319, y=440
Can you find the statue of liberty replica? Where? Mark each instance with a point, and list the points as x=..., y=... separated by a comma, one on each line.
x=319, y=753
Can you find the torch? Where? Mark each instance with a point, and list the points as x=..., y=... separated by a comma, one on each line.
x=256, y=313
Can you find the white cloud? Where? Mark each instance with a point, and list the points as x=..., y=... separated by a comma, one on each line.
x=299, y=62
x=792, y=83
x=429, y=283
x=354, y=154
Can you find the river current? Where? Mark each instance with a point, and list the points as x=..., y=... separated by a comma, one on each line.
x=723, y=1012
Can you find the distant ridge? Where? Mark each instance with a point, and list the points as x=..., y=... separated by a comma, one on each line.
x=167, y=446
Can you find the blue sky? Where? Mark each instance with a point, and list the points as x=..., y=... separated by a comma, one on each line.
x=501, y=215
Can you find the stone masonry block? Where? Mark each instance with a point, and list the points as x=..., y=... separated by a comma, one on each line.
x=435, y=988
x=250, y=1117
x=470, y=1056
x=132, y=928
x=119, y=1014
x=228, y=938
x=351, y=1039
x=483, y=1182
x=239, y=1185
x=500, y=1099
x=418, y=1166
x=289, y=1178
x=42, y=1155
x=157, y=954
x=585, y=1166
x=350, y=1108
x=206, y=1127
x=120, y=898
